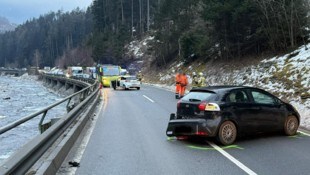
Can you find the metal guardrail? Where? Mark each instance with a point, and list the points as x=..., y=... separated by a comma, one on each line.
x=45, y=110
x=17, y=72
x=23, y=159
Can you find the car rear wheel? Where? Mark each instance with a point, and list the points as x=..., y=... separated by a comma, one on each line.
x=138, y=88
x=227, y=133
x=291, y=125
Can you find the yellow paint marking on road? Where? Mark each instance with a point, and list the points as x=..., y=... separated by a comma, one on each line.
x=105, y=97
x=102, y=93
x=303, y=133
x=211, y=148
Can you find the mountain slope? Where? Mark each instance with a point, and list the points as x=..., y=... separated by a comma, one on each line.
x=5, y=25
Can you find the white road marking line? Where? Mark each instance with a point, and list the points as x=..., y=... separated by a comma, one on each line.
x=148, y=98
x=304, y=133
x=231, y=158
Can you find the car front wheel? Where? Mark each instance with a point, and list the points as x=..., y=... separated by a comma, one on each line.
x=227, y=133
x=291, y=125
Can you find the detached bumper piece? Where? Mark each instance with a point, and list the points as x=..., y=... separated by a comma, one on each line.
x=188, y=127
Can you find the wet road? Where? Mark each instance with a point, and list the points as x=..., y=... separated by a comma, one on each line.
x=129, y=138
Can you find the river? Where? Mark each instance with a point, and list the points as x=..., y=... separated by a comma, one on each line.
x=19, y=97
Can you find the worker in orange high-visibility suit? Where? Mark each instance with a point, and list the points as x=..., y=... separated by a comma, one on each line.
x=178, y=84
x=184, y=83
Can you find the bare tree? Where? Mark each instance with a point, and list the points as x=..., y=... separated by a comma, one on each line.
x=148, y=15
x=131, y=18
x=36, y=58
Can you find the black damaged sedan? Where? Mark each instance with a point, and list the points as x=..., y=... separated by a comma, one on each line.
x=226, y=112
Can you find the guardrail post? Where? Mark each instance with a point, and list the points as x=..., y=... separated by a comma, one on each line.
x=42, y=128
x=69, y=107
x=82, y=96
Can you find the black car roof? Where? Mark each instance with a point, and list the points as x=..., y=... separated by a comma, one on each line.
x=219, y=88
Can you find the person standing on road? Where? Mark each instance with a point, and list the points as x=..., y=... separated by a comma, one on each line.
x=139, y=76
x=194, y=80
x=178, y=84
x=201, y=80
x=183, y=83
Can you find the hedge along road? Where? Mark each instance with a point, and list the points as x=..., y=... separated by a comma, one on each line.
x=129, y=138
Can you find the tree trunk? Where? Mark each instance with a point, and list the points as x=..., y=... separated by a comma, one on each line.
x=291, y=24
x=122, y=8
x=131, y=18
x=148, y=15
x=140, y=15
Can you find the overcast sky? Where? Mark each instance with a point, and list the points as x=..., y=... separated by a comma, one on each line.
x=18, y=11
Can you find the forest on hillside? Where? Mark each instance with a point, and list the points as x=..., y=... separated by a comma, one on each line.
x=185, y=29
x=46, y=40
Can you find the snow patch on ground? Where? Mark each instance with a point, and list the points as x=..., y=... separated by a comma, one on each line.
x=137, y=48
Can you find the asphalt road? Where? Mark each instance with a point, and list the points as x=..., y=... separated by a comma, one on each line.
x=129, y=138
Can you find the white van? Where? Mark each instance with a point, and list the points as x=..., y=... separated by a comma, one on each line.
x=74, y=71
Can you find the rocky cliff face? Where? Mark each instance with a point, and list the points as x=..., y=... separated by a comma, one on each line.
x=5, y=25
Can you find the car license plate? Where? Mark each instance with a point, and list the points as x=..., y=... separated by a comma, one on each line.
x=169, y=132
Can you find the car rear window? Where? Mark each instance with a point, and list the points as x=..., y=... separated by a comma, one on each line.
x=129, y=78
x=199, y=96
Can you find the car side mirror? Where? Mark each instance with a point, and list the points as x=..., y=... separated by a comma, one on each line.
x=278, y=103
x=172, y=116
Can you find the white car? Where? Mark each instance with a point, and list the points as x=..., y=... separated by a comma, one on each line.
x=127, y=82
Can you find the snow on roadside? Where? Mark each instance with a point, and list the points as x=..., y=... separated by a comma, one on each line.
x=286, y=76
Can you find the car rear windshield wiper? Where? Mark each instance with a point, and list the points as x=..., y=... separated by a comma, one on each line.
x=193, y=99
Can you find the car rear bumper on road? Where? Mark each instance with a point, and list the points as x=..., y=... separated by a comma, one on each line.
x=132, y=85
x=188, y=127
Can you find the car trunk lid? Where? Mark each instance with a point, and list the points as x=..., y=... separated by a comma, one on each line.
x=193, y=104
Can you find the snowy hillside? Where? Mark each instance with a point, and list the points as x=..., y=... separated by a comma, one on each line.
x=288, y=77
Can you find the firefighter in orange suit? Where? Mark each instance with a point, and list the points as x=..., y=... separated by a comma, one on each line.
x=178, y=84
x=183, y=83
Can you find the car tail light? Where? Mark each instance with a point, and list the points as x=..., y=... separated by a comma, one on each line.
x=202, y=106
x=212, y=107
x=201, y=133
x=179, y=104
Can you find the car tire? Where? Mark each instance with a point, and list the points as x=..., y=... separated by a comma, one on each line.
x=138, y=88
x=291, y=125
x=227, y=133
